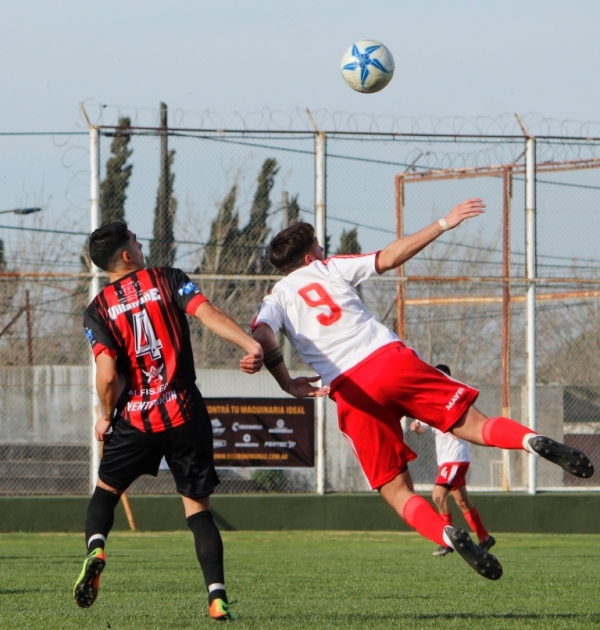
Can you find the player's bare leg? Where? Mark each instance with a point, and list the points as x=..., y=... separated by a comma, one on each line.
x=209, y=550
x=420, y=515
x=505, y=433
x=99, y=522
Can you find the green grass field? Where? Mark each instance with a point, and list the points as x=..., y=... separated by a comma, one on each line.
x=303, y=580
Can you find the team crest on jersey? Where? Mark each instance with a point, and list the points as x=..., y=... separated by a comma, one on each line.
x=187, y=288
x=154, y=374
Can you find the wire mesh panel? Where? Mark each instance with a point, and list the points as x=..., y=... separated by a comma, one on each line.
x=209, y=202
x=568, y=301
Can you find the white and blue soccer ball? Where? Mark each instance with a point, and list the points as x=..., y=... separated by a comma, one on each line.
x=367, y=66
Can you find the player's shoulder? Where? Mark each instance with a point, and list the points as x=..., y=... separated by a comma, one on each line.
x=340, y=258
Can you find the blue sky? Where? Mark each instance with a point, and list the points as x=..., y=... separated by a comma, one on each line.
x=464, y=58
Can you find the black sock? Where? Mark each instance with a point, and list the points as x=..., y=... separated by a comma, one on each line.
x=209, y=549
x=100, y=518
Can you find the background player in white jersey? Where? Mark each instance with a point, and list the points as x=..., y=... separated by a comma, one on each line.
x=375, y=379
x=453, y=461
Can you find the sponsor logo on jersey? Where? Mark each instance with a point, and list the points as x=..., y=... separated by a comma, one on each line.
x=153, y=295
x=149, y=404
x=187, y=288
x=281, y=428
x=155, y=373
x=219, y=443
x=454, y=398
x=90, y=335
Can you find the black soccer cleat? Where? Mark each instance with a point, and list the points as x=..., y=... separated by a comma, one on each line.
x=481, y=561
x=442, y=551
x=489, y=542
x=570, y=459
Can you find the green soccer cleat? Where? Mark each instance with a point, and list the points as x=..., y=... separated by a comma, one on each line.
x=220, y=611
x=86, y=587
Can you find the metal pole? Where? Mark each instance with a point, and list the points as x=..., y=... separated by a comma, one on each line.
x=94, y=290
x=320, y=230
x=531, y=271
x=400, y=287
x=507, y=194
x=29, y=329
x=285, y=222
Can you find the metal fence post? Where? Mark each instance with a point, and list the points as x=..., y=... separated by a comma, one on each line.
x=94, y=290
x=531, y=272
x=320, y=229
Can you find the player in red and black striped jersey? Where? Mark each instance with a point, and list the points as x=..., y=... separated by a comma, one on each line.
x=140, y=321
x=151, y=406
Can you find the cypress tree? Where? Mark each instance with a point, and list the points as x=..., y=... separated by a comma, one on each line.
x=349, y=242
x=113, y=188
x=162, y=246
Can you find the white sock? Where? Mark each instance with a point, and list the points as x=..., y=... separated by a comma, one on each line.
x=96, y=537
x=447, y=538
x=216, y=587
x=526, y=445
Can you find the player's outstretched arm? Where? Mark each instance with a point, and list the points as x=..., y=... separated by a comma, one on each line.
x=221, y=324
x=398, y=252
x=108, y=387
x=300, y=387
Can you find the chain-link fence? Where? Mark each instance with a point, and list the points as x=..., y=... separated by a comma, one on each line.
x=209, y=201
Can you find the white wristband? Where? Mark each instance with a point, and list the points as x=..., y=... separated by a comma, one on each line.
x=443, y=225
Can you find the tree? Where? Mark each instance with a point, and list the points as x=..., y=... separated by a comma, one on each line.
x=232, y=250
x=253, y=237
x=349, y=242
x=293, y=210
x=162, y=246
x=113, y=188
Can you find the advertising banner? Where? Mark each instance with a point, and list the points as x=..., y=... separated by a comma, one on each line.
x=263, y=432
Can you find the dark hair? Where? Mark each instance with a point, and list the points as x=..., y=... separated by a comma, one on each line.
x=288, y=248
x=107, y=242
x=443, y=368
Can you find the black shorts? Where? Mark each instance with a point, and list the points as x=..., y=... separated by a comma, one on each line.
x=188, y=449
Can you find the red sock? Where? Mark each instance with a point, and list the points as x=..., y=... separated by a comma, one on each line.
x=472, y=517
x=421, y=516
x=447, y=518
x=505, y=433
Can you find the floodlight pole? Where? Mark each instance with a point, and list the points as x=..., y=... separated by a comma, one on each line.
x=94, y=290
x=531, y=272
x=320, y=230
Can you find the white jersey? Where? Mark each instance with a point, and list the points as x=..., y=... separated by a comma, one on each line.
x=320, y=312
x=449, y=448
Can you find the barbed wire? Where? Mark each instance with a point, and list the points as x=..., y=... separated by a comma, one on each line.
x=505, y=125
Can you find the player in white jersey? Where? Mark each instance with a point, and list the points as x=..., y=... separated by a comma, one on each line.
x=453, y=461
x=375, y=379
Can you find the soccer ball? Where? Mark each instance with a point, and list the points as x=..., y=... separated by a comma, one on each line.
x=367, y=66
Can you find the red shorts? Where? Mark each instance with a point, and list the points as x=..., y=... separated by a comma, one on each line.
x=452, y=475
x=373, y=396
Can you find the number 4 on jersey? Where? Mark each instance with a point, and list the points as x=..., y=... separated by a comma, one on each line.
x=323, y=299
x=145, y=338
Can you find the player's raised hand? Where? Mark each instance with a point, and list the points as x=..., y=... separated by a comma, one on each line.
x=465, y=210
x=253, y=361
x=301, y=387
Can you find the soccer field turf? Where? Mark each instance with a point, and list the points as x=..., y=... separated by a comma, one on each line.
x=302, y=580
